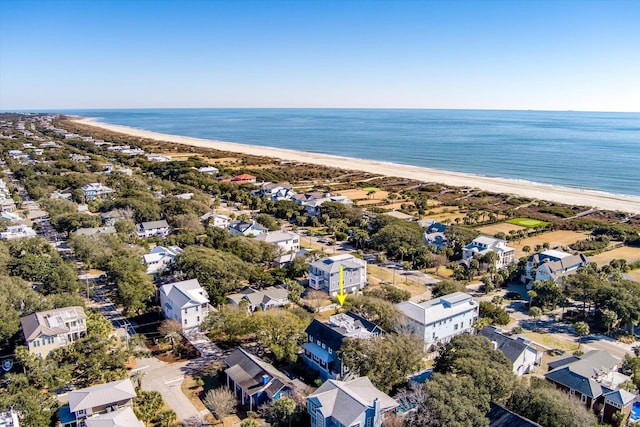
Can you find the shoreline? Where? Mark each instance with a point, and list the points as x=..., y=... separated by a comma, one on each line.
x=533, y=190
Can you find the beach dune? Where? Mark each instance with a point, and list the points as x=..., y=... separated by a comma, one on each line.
x=559, y=194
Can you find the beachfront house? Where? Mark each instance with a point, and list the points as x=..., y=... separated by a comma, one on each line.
x=482, y=245
x=153, y=229
x=552, y=265
x=186, y=302
x=324, y=274
x=109, y=404
x=274, y=192
x=520, y=351
x=324, y=340
x=349, y=403
x=286, y=241
x=440, y=319
x=46, y=331
x=254, y=381
x=270, y=297
x=313, y=201
x=209, y=170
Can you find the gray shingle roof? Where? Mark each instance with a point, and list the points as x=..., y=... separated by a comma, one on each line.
x=247, y=371
x=512, y=348
x=51, y=322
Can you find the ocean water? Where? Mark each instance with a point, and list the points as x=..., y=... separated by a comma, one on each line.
x=598, y=151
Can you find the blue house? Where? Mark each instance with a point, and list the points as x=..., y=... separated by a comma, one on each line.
x=351, y=403
x=325, y=339
x=253, y=380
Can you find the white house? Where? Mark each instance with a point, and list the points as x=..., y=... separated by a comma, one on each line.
x=522, y=354
x=484, y=244
x=440, y=319
x=313, y=201
x=186, y=302
x=209, y=170
x=324, y=274
x=275, y=191
x=17, y=232
x=243, y=228
x=95, y=190
x=152, y=229
x=552, y=265
x=287, y=241
x=158, y=158
x=216, y=220
x=159, y=258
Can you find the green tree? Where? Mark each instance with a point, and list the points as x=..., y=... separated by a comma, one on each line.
x=610, y=319
x=35, y=407
x=382, y=313
x=170, y=330
x=249, y=422
x=446, y=287
x=147, y=405
x=282, y=411
x=97, y=325
x=386, y=359
x=281, y=331
x=582, y=329
x=535, y=313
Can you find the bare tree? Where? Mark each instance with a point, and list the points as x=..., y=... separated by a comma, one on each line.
x=221, y=401
x=316, y=298
x=170, y=329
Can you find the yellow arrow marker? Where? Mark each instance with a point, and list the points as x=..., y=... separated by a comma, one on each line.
x=341, y=296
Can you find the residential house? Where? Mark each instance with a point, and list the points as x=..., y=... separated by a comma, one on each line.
x=588, y=377
x=7, y=204
x=248, y=229
x=159, y=258
x=286, y=259
x=160, y=158
x=253, y=380
x=274, y=192
x=216, y=220
x=325, y=339
x=552, y=265
x=272, y=296
x=209, y=170
x=287, y=241
x=111, y=217
x=45, y=331
x=244, y=178
x=9, y=419
x=485, y=244
x=95, y=191
x=500, y=416
x=152, y=229
x=107, y=404
x=79, y=158
x=617, y=401
x=522, y=354
x=17, y=232
x=355, y=403
x=95, y=231
x=324, y=274
x=437, y=239
x=313, y=201
x=440, y=319
x=186, y=302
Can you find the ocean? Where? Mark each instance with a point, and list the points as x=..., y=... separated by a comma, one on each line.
x=586, y=150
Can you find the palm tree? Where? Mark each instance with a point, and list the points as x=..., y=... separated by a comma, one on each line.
x=136, y=377
x=535, y=313
x=167, y=418
x=532, y=294
x=610, y=319
x=582, y=329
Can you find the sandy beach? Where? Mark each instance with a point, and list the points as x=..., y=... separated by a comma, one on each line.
x=552, y=193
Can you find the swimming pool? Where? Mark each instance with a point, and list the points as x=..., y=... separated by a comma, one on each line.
x=635, y=412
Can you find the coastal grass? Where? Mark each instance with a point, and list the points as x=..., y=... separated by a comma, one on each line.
x=528, y=222
x=554, y=238
x=628, y=253
x=501, y=227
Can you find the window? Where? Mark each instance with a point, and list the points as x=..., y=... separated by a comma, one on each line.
x=196, y=308
x=185, y=321
x=185, y=311
x=455, y=327
x=330, y=350
x=584, y=398
x=198, y=319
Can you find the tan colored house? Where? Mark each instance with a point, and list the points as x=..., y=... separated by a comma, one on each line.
x=47, y=330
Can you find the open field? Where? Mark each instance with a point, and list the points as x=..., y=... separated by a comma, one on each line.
x=377, y=275
x=625, y=252
x=635, y=275
x=361, y=194
x=396, y=205
x=555, y=238
x=551, y=341
x=527, y=222
x=501, y=227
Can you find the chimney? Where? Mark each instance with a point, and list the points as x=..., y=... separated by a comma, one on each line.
x=265, y=379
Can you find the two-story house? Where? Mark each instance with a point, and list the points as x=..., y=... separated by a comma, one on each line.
x=587, y=378
x=19, y=231
x=355, y=403
x=440, y=319
x=523, y=355
x=248, y=229
x=152, y=229
x=215, y=220
x=325, y=339
x=552, y=265
x=324, y=274
x=484, y=244
x=274, y=191
x=159, y=258
x=47, y=330
x=94, y=191
x=287, y=241
x=253, y=380
x=186, y=302
x=102, y=405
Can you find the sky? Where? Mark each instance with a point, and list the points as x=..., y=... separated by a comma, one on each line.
x=476, y=54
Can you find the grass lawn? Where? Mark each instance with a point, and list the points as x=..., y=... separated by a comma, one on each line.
x=527, y=222
x=551, y=341
x=370, y=189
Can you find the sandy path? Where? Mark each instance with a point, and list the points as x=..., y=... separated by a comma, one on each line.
x=552, y=193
